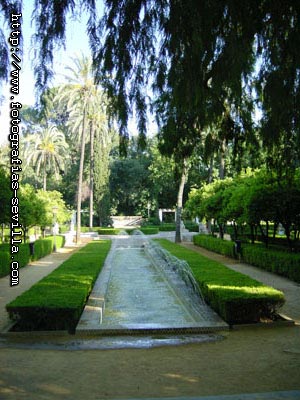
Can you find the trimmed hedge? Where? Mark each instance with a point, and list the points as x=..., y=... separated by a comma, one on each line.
x=279, y=262
x=22, y=257
x=192, y=226
x=108, y=231
x=167, y=227
x=149, y=230
x=42, y=247
x=57, y=301
x=237, y=298
x=220, y=246
x=276, y=261
x=4, y=263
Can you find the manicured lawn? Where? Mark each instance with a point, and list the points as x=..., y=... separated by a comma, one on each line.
x=237, y=298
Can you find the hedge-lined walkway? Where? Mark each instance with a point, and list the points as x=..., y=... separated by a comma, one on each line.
x=291, y=289
x=29, y=275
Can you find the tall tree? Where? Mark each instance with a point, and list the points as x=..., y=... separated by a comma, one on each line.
x=198, y=52
x=179, y=139
x=47, y=150
x=80, y=95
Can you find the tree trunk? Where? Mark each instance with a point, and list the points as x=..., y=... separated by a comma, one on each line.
x=80, y=176
x=211, y=167
x=91, y=174
x=45, y=176
x=180, y=201
x=222, y=159
x=210, y=179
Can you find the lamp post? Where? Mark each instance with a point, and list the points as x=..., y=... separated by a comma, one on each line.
x=54, y=210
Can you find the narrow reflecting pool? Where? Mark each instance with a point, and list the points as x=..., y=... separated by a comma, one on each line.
x=139, y=292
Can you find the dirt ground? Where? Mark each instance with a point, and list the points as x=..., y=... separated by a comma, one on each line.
x=248, y=360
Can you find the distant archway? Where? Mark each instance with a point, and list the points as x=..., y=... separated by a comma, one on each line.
x=161, y=212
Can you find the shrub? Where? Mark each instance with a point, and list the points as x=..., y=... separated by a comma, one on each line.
x=57, y=301
x=59, y=241
x=192, y=226
x=237, y=298
x=167, y=227
x=23, y=255
x=42, y=247
x=279, y=262
x=220, y=246
x=108, y=231
x=4, y=263
x=149, y=230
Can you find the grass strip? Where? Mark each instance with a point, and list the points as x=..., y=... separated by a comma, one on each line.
x=236, y=297
x=57, y=301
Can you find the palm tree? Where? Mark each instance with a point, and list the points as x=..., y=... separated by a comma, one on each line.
x=47, y=151
x=80, y=95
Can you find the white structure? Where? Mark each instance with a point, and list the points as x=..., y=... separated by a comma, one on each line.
x=161, y=212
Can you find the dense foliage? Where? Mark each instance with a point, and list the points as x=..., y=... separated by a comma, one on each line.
x=253, y=200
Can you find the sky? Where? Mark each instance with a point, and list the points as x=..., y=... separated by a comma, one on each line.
x=76, y=43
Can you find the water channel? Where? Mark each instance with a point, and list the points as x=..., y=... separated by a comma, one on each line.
x=143, y=297
x=142, y=289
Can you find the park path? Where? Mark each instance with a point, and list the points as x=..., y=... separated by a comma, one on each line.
x=29, y=275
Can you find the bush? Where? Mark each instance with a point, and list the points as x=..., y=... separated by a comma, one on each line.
x=57, y=301
x=108, y=231
x=237, y=298
x=4, y=263
x=59, y=241
x=23, y=255
x=167, y=227
x=279, y=262
x=220, y=246
x=149, y=230
x=42, y=247
x=192, y=226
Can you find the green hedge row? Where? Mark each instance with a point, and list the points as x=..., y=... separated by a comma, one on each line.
x=167, y=227
x=149, y=230
x=276, y=261
x=237, y=298
x=279, y=262
x=108, y=231
x=57, y=301
x=192, y=226
x=4, y=263
x=220, y=246
x=22, y=257
x=42, y=247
